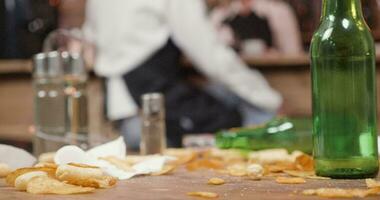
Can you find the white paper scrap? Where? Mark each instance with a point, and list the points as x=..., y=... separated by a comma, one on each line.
x=15, y=157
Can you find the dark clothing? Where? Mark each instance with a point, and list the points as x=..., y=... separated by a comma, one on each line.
x=24, y=27
x=188, y=109
x=250, y=27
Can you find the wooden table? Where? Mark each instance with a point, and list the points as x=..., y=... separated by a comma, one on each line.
x=175, y=186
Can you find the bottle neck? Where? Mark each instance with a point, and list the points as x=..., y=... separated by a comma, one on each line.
x=342, y=8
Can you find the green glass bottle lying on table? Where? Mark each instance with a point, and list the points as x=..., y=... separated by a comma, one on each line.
x=291, y=134
x=344, y=93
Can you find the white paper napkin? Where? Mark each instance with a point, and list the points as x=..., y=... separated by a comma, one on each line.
x=116, y=148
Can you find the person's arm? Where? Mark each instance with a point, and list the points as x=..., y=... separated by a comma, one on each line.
x=193, y=33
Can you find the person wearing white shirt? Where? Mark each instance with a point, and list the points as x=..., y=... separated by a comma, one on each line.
x=139, y=43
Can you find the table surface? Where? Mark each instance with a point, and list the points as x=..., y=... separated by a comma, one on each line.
x=176, y=185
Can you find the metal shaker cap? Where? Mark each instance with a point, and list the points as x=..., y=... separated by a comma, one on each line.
x=47, y=65
x=153, y=103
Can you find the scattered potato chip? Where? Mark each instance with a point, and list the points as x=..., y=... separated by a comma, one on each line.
x=22, y=181
x=228, y=155
x=304, y=162
x=215, y=181
x=4, y=170
x=183, y=155
x=203, y=194
x=46, y=164
x=11, y=178
x=165, y=170
x=119, y=163
x=270, y=156
x=204, y=164
x=255, y=171
x=84, y=175
x=372, y=183
x=290, y=180
x=238, y=169
x=279, y=167
x=342, y=193
x=305, y=174
x=46, y=185
x=46, y=157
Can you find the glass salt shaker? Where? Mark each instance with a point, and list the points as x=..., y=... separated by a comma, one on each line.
x=153, y=134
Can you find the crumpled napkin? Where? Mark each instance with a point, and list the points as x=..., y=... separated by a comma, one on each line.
x=15, y=157
x=116, y=148
x=18, y=158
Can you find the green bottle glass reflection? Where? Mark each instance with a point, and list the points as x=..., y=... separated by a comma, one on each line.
x=344, y=93
x=288, y=133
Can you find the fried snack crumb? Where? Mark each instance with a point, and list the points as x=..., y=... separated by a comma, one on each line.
x=4, y=170
x=46, y=185
x=208, y=195
x=342, y=193
x=83, y=175
x=290, y=180
x=216, y=181
x=167, y=169
x=372, y=183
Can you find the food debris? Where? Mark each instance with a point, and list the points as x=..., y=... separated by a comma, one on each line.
x=167, y=169
x=304, y=162
x=204, y=164
x=203, y=194
x=84, y=175
x=46, y=157
x=238, y=169
x=372, y=183
x=216, y=181
x=11, y=178
x=46, y=185
x=4, y=170
x=342, y=193
x=22, y=181
x=290, y=180
x=255, y=171
x=305, y=174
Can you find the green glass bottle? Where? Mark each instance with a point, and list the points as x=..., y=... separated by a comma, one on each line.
x=291, y=134
x=344, y=93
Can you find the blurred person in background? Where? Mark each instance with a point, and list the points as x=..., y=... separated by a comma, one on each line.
x=71, y=13
x=139, y=45
x=24, y=24
x=244, y=23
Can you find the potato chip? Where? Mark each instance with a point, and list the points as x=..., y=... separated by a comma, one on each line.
x=270, y=156
x=203, y=194
x=305, y=174
x=372, y=183
x=84, y=175
x=304, y=162
x=238, y=169
x=46, y=157
x=22, y=181
x=215, y=181
x=342, y=193
x=290, y=180
x=4, y=170
x=46, y=185
x=46, y=164
x=119, y=163
x=278, y=167
x=11, y=178
x=183, y=155
x=255, y=171
x=165, y=170
x=204, y=164
x=228, y=155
